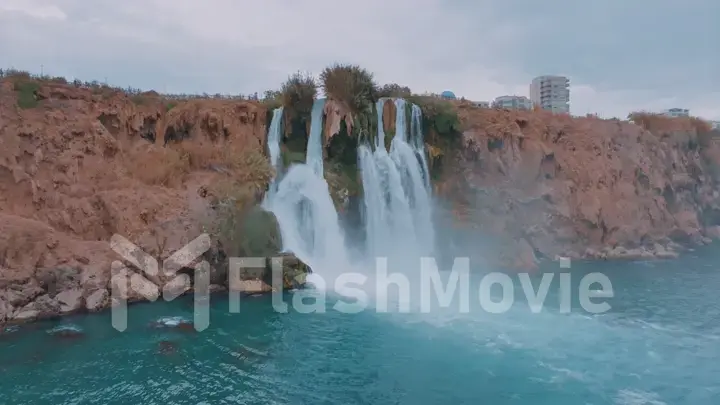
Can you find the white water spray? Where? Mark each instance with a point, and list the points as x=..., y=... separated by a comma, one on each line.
x=397, y=202
x=315, y=143
x=273, y=141
x=418, y=142
x=397, y=205
x=305, y=211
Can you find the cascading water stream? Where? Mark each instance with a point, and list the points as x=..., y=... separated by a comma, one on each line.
x=273, y=141
x=314, y=148
x=398, y=214
x=308, y=221
x=397, y=202
x=305, y=211
x=418, y=142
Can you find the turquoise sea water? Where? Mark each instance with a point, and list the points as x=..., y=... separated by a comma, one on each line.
x=659, y=344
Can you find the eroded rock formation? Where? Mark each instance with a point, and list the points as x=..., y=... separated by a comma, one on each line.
x=83, y=165
x=547, y=185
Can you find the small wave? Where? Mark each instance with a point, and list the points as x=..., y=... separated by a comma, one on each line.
x=64, y=328
x=631, y=397
x=172, y=321
x=563, y=373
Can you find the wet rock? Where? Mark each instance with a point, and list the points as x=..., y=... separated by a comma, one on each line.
x=186, y=327
x=622, y=253
x=6, y=311
x=97, y=300
x=177, y=286
x=249, y=286
x=217, y=288
x=46, y=307
x=19, y=295
x=525, y=259
x=167, y=347
x=43, y=307
x=57, y=279
x=26, y=314
x=713, y=232
x=294, y=271
x=663, y=253
x=70, y=300
x=132, y=286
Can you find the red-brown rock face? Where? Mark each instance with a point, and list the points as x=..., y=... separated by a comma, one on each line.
x=83, y=165
x=581, y=187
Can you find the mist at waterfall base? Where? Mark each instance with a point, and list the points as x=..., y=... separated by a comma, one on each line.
x=397, y=215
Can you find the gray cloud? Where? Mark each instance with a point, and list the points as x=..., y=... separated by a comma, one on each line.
x=620, y=56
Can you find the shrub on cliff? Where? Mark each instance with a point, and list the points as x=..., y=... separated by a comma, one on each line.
x=394, y=90
x=26, y=90
x=240, y=224
x=168, y=165
x=243, y=228
x=438, y=115
x=298, y=93
x=691, y=132
x=660, y=124
x=351, y=85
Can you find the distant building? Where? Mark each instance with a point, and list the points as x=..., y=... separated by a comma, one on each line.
x=447, y=94
x=551, y=93
x=677, y=112
x=513, y=103
x=715, y=125
x=481, y=104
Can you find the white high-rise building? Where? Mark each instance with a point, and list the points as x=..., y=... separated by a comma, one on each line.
x=513, y=103
x=677, y=112
x=551, y=93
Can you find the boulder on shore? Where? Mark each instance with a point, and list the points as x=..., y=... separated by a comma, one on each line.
x=291, y=272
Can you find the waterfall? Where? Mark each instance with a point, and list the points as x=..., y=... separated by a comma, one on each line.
x=304, y=209
x=380, y=141
x=418, y=142
x=398, y=215
x=400, y=127
x=273, y=142
x=397, y=205
x=308, y=220
x=315, y=142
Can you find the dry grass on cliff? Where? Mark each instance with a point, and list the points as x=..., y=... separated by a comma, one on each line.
x=168, y=166
x=350, y=84
x=661, y=124
x=394, y=90
x=298, y=93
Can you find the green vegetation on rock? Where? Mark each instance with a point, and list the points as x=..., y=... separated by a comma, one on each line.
x=438, y=115
x=26, y=93
x=351, y=85
x=298, y=94
x=394, y=90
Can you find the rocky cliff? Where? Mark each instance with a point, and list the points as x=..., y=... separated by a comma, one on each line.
x=79, y=165
x=542, y=185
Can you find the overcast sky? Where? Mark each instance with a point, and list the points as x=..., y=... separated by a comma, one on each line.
x=620, y=55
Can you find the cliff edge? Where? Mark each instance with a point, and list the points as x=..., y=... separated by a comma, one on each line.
x=543, y=185
x=79, y=165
